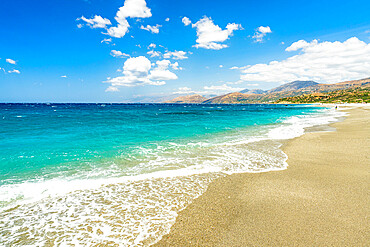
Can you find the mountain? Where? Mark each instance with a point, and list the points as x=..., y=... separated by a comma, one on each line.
x=291, y=92
x=232, y=98
x=298, y=88
x=291, y=86
x=357, y=93
x=253, y=91
x=188, y=99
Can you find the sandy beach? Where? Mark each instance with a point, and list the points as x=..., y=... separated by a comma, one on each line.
x=322, y=199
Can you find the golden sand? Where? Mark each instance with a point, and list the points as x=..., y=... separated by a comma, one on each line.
x=322, y=199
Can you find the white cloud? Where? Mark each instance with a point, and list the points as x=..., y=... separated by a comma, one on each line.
x=116, y=53
x=96, y=22
x=64, y=76
x=111, y=89
x=186, y=21
x=138, y=71
x=211, y=36
x=107, y=41
x=120, y=30
x=154, y=53
x=178, y=55
x=11, y=61
x=238, y=68
x=175, y=66
x=261, y=33
x=161, y=72
x=133, y=9
x=153, y=29
x=14, y=71
x=152, y=45
x=301, y=44
x=221, y=66
x=325, y=62
x=184, y=90
x=167, y=19
x=130, y=9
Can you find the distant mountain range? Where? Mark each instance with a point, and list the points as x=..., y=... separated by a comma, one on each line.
x=286, y=91
x=189, y=99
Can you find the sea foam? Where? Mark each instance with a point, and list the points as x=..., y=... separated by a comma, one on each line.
x=137, y=209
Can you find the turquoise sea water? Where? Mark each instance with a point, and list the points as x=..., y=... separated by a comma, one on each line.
x=119, y=173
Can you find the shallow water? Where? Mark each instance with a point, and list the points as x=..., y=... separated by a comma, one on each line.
x=118, y=173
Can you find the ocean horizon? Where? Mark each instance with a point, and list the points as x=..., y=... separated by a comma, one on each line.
x=119, y=173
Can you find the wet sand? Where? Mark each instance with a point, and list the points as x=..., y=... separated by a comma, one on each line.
x=322, y=199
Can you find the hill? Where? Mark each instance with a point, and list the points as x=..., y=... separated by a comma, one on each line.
x=232, y=98
x=359, y=94
x=253, y=91
x=188, y=99
x=292, y=86
x=348, y=91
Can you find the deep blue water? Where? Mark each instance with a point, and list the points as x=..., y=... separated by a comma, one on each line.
x=41, y=139
x=98, y=174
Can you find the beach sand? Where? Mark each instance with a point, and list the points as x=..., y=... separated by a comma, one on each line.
x=322, y=199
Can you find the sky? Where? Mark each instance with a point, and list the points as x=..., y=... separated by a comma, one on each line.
x=144, y=50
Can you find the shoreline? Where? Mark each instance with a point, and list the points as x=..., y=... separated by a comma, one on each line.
x=321, y=199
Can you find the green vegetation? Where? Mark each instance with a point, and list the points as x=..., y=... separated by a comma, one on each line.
x=353, y=95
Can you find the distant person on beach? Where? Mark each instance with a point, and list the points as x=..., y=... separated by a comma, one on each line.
x=336, y=107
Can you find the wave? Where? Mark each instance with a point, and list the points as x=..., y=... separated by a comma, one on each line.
x=136, y=210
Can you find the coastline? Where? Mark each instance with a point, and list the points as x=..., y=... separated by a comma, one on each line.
x=321, y=199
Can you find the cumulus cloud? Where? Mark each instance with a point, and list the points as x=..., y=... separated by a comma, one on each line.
x=14, y=71
x=115, y=53
x=130, y=9
x=301, y=44
x=96, y=22
x=120, y=30
x=325, y=62
x=184, y=90
x=106, y=41
x=64, y=76
x=152, y=45
x=153, y=29
x=211, y=36
x=154, y=53
x=161, y=72
x=186, y=21
x=176, y=66
x=11, y=61
x=167, y=19
x=178, y=55
x=261, y=33
x=138, y=71
x=111, y=89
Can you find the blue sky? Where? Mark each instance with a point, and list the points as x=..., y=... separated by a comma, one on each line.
x=53, y=51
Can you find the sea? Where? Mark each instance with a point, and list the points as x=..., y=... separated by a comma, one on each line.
x=118, y=174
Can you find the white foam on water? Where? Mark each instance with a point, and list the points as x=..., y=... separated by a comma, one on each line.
x=137, y=210
x=295, y=126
